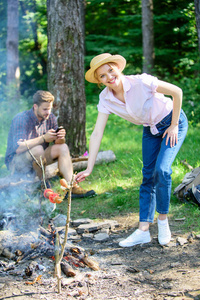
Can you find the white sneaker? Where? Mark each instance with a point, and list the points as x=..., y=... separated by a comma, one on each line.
x=164, y=233
x=137, y=237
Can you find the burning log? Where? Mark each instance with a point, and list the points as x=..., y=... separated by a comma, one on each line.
x=74, y=260
x=91, y=263
x=38, y=249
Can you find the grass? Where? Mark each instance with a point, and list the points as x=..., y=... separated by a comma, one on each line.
x=117, y=183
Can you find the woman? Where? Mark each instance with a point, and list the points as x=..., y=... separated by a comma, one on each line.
x=141, y=99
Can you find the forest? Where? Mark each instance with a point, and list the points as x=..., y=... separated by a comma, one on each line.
x=109, y=26
x=48, y=45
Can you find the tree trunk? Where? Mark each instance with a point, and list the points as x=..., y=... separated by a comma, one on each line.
x=147, y=35
x=66, y=69
x=13, y=72
x=39, y=58
x=197, y=13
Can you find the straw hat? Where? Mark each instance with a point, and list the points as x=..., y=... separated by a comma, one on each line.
x=102, y=59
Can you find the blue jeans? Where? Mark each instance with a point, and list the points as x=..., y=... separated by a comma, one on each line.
x=155, y=190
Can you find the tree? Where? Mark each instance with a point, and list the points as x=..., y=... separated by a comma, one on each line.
x=66, y=69
x=13, y=72
x=33, y=45
x=197, y=12
x=147, y=35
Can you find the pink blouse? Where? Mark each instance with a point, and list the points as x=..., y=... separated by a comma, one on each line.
x=143, y=105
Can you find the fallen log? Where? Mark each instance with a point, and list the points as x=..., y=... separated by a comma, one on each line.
x=52, y=170
x=81, y=164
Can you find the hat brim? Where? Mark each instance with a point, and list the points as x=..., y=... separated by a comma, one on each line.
x=118, y=59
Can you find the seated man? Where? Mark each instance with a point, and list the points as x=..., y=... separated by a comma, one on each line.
x=30, y=133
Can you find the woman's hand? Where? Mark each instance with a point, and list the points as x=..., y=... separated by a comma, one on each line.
x=172, y=135
x=82, y=175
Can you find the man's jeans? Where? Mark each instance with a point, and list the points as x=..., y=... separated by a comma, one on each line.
x=155, y=189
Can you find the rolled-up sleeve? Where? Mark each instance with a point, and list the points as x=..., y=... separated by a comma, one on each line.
x=102, y=108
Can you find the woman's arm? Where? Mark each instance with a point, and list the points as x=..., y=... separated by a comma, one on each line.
x=95, y=141
x=177, y=95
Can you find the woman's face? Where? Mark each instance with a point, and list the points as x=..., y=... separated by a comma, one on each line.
x=109, y=75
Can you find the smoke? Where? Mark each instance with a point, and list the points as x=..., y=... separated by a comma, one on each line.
x=24, y=208
x=3, y=36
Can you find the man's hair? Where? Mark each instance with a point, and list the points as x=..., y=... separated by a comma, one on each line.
x=42, y=96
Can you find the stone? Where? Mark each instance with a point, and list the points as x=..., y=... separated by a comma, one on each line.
x=74, y=237
x=96, y=226
x=78, y=222
x=167, y=285
x=104, y=230
x=71, y=231
x=101, y=236
x=182, y=241
x=175, y=264
x=87, y=235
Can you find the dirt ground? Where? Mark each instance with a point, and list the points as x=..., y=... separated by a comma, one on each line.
x=141, y=272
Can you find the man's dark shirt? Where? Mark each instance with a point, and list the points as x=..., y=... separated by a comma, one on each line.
x=26, y=126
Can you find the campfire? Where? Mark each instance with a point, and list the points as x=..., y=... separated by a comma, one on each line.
x=22, y=253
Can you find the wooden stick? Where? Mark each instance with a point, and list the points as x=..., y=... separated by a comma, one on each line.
x=76, y=159
x=60, y=256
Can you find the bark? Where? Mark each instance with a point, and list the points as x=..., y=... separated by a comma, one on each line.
x=197, y=13
x=66, y=69
x=13, y=71
x=147, y=35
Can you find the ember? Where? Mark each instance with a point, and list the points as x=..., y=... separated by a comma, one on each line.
x=39, y=247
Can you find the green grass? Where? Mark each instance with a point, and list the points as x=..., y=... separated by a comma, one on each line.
x=117, y=183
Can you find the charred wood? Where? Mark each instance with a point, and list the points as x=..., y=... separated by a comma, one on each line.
x=67, y=269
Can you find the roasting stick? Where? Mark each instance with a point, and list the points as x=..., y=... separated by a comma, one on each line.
x=59, y=257
x=43, y=173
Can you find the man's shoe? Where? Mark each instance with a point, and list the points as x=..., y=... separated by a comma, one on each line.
x=137, y=237
x=79, y=192
x=164, y=233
